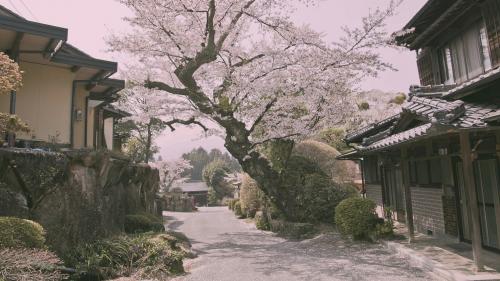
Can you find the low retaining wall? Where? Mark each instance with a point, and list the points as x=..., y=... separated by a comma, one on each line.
x=77, y=196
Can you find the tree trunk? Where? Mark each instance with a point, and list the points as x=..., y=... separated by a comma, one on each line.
x=254, y=164
x=148, y=144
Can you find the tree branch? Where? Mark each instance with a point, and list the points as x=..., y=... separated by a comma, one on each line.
x=273, y=139
x=262, y=114
x=165, y=87
x=190, y=121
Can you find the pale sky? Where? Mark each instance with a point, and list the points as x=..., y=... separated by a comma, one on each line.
x=89, y=21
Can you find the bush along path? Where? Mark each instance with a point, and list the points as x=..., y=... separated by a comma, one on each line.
x=146, y=251
x=229, y=248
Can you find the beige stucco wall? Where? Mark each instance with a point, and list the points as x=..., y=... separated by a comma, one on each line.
x=79, y=126
x=108, y=132
x=44, y=102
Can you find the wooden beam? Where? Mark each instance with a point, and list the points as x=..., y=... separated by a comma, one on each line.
x=458, y=9
x=48, y=49
x=16, y=46
x=75, y=68
x=95, y=79
x=405, y=170
x=470, y=191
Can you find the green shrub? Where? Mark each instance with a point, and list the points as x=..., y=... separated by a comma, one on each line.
x=237, y=210
x=292, y=230
x=309, y=194
x=20, y=233
x=139, y=223
x=230, y=203
x=149, y=255
x=261, y=221
x=356, y=217
x=384, y=229
x=251, y=197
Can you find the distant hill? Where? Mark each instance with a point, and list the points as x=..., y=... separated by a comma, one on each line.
x=376, y=105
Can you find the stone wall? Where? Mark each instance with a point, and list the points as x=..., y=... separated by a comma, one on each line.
x=77, y=196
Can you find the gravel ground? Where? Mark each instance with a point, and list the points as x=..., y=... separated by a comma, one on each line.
x=233, y=250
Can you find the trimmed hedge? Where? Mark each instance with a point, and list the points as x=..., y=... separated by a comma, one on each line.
x=292, y=230
x=140, y=223
x=21, y=233
x=356, y=217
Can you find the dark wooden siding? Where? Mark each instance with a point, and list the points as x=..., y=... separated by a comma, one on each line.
x=491, y=14
x=425, y=69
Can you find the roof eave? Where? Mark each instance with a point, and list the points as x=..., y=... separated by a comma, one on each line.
x=108, y=66
x=33, y=28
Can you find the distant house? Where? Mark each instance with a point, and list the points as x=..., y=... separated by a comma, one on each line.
x=196, y=189
x=66, y=93
x=436, y=163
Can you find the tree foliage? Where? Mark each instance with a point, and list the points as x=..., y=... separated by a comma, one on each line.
x=250, y=70
x=10, y=80
x=10, y=75
x=171, y=171
x=199, y=158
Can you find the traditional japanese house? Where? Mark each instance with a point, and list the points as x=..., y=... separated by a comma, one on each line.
x=435, y=165
x=65, y=94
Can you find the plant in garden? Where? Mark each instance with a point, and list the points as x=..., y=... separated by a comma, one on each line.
x=145, y=256
x=20, y=233
x=140, y=223
x=237, y=209
x=245, y=67
x=251, y=197
x=10, y=75
x=214, y=174
x=10, y=80
x=356, y=217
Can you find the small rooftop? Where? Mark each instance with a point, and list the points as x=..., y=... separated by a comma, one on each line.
x=195, y=186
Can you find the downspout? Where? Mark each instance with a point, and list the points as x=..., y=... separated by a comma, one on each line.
x=72, y=113
x=363, y=186
x=86, y=122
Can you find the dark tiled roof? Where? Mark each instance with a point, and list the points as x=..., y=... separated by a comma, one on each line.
x=435, y=112
x=370, y=129
x=457, y=113
x=399, y=138
x=195, y=186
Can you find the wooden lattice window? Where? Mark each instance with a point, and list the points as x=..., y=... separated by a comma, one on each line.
x=425, y=70
x=491, y=14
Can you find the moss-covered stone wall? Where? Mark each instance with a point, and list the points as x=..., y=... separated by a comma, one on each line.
x=77, y=196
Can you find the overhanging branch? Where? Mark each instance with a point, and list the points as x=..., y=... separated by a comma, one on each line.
x=190, y=121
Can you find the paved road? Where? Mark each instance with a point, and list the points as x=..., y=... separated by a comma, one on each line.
x=233, y=250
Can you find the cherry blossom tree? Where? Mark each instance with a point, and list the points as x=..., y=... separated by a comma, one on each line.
x=248, y=68
x=171, y=171
x=10, y=80
x=151, y=112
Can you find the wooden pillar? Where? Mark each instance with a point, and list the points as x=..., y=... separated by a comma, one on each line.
x=14, y=55
x=405, y=171
x=470, y=191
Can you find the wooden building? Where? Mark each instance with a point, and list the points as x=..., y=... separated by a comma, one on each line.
x=65, y=94
x=436, y=163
